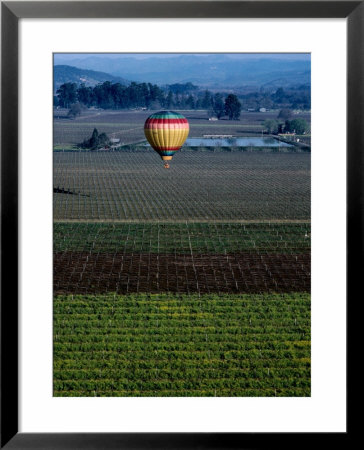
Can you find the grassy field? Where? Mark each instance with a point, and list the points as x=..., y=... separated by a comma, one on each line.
x=165, y=345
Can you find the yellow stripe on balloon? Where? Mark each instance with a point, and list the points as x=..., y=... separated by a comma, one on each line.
x=166, y=138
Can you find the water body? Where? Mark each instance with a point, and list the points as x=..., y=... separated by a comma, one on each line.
x=235, y=142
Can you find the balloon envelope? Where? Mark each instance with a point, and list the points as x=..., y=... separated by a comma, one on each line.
x=166, y=131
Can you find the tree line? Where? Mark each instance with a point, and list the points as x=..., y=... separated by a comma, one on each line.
x=144, y=95
x=110, y=95
x=283, y=124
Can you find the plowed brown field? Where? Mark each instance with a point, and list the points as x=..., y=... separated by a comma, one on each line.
x=82, y=272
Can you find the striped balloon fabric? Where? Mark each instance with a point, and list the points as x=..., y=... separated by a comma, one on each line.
x=166, y=132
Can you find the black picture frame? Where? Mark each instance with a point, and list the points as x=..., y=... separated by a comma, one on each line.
x=11, y=12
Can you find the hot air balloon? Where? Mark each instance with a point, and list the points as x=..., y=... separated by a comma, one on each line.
x=166, y=132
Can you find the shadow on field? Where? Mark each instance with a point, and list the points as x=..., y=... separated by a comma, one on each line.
x=58, y=190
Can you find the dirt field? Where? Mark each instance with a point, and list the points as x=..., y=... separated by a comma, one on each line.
x=86, y=273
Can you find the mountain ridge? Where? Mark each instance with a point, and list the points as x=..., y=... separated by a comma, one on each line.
x=216, y=70
x=63, y=73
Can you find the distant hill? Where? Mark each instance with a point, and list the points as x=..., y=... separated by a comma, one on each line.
x=214, y=70
x=69, y=74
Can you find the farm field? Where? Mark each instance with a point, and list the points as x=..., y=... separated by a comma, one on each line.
x=128, y=125
x=167, y=345
x=200, y=186
x=193, y=281
x=181, y=258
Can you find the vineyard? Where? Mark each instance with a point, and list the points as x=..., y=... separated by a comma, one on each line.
x=118, y=186
x=181, y=258
x=193, y=281
x=168, y=345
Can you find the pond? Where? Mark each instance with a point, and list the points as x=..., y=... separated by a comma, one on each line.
x=235, y=142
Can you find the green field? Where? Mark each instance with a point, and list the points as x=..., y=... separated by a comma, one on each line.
x=165, y=345
x=198, y=238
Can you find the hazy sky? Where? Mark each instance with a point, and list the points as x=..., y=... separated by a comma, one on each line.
x=242, y=56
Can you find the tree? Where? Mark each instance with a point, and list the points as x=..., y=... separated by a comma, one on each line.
x=232, y=107
x=298, y=126
x=96, y=140
x=190, y=102
x=280, y=95
x=75, y=110
x=85, y=95
x=103, y=140
x=207, y=100
x=177, y=100
x=285, y=114
x=67, y=94
x=118, y=94
x=218, y=105
x=103, y=95
x=271, y=126
x=169, y=100
x=154, y=104
x=155, y=93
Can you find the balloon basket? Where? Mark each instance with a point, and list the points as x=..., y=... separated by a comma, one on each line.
x=166, y=165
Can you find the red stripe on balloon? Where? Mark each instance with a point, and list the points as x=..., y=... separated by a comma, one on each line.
x=166, y=126
x=166, y=121
x=166, y=148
